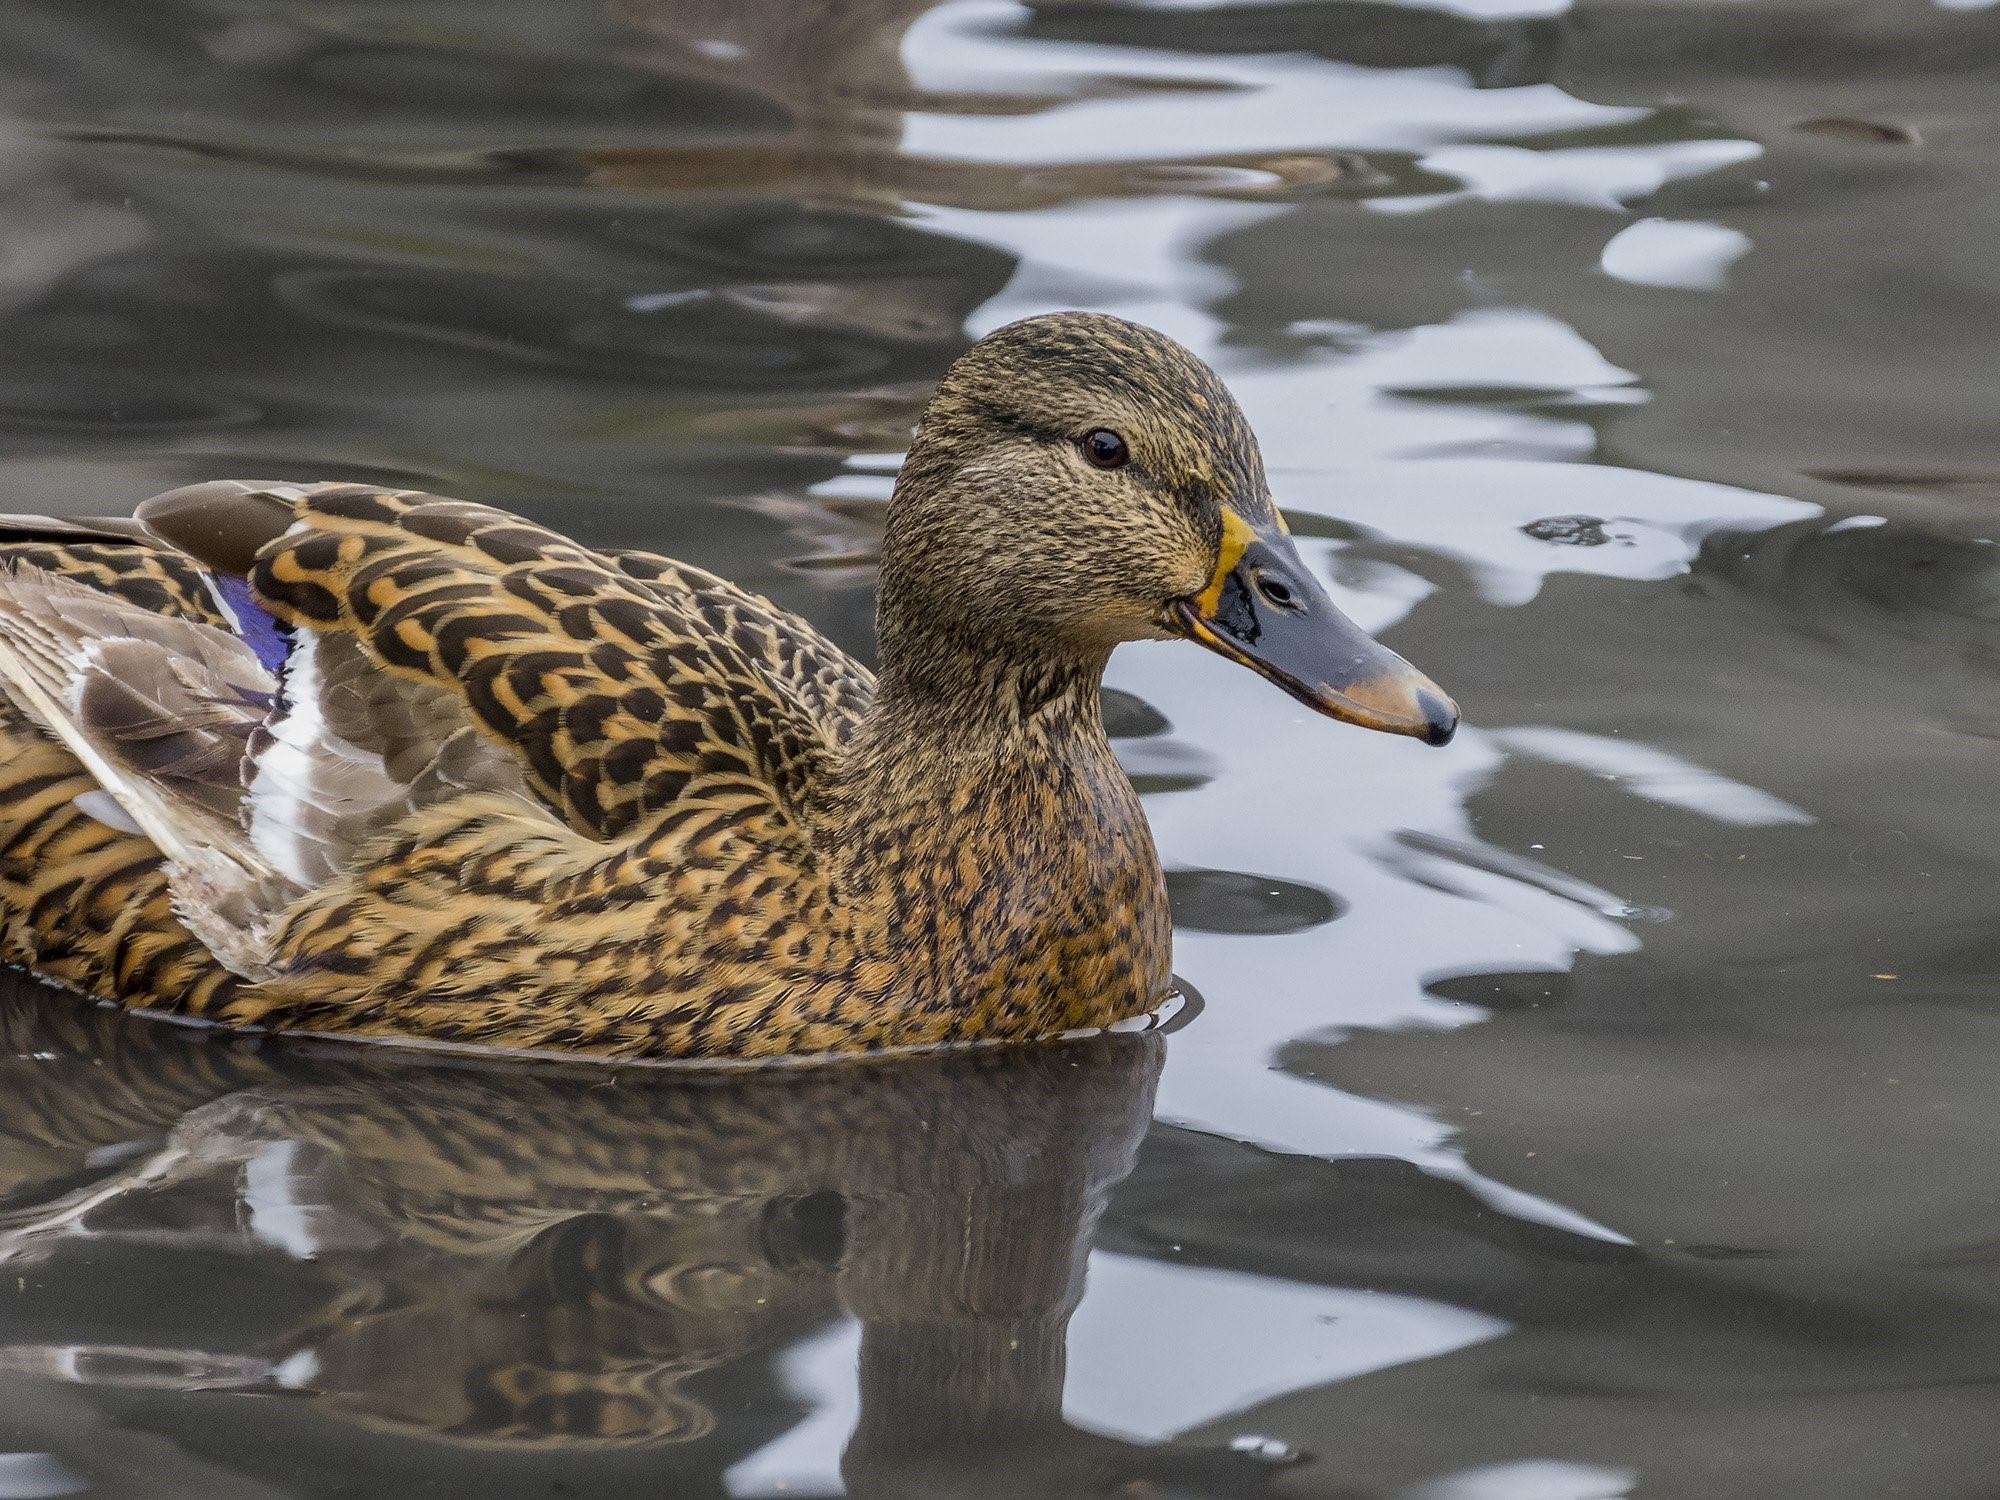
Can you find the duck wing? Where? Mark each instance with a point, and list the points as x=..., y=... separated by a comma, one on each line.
x=615, y=686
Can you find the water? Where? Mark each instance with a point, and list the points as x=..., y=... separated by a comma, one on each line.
x=1596, y=1108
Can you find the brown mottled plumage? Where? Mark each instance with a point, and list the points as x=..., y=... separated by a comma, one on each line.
x=503, y=789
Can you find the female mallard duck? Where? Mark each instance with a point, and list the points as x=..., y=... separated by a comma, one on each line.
x=329, y=758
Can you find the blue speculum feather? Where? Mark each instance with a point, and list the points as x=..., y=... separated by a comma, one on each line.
x=259, y=629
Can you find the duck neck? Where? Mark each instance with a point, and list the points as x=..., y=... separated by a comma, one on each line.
x=981, y=819
x=958, y=670
x=988, y=693
x=959, y=718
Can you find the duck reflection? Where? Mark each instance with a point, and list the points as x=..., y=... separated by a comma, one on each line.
x=577, y=1259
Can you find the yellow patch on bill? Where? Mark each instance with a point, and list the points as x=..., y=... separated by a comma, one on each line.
x=1237, y=535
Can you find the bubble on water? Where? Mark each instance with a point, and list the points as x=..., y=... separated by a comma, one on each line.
x=1569, y=531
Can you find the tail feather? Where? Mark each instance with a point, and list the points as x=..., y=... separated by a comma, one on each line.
x=159, y=720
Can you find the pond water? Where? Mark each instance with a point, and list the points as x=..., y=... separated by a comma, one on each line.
x=1599, y=1107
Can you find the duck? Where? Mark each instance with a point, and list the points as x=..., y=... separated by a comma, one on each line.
x=328, y=758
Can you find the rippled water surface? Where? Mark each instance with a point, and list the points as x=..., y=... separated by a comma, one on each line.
x=1599, y=1107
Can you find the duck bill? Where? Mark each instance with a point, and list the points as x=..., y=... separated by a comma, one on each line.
x=1265, y=610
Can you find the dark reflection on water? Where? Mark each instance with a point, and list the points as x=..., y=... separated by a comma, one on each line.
x=1629, y=363
x=531, y=1272
x=1231, y=901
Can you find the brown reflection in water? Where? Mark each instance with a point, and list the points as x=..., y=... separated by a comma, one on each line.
x=838, y=70
x=576, y=1258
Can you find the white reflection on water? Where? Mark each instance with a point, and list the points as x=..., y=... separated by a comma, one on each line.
x=1155, y=1350
x=1233, y=1340
x=1478, y=10
x=1674, y=253
x=1229, y=104
x=35, y=1476
x=1477, y=511
x=1604, y=177
x=277, y=1216
x=1529, y=1479
x=1539, y=378
x=818, y=1371
x=1492, y=10
x=1656, y=776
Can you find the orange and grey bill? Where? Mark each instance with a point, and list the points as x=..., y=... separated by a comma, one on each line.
x=1264, y=609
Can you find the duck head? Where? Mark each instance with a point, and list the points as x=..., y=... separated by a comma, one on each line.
x=1078, y=481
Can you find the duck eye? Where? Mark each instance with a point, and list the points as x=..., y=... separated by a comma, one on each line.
x=1105, y=448
x=1275, y=590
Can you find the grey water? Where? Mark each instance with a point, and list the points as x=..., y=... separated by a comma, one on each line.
x=1599, y=1107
